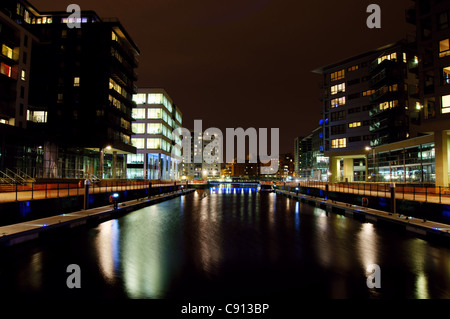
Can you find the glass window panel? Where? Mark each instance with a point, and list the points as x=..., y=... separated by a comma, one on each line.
x=154, y=113
x=140, y=98
x=138, y=128
x=154, y=128
x=138, y=114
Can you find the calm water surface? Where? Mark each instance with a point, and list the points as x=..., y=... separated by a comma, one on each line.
x=229, y=242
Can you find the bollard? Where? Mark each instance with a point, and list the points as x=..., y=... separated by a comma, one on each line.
x=149, y=189
x=393, y=201
x=86, y=194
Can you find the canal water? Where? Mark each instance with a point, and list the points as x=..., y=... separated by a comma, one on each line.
x=228, y=242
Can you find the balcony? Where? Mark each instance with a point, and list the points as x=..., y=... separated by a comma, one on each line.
x=382, y=140
x=375, y=65
x=379, y=126
x=378, y=78
x=376, y=111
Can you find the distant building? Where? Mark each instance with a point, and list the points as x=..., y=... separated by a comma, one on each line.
x=155, y=119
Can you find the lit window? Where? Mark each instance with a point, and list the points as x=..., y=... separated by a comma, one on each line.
x=338, y=102
x=354, y=124
x=353, y=68
x=154, y=114
x=339, y=143
x=37, y=116
x=23, y=75
x=154, y=143
x=138, y=128
x=155, y=98
x=446, y=75
x=155, y=128
x=114, y=36
x=388, y=105
x=7, y=51
x=339, y=75
x=446, y=104
x=76, y=81
x=60, y=97
x=444, y=48
x=368, y=92
x=5, y=69
x=139, y=143
x=114, y=86
x=140, y=98
x=392, y=56
x=338, y=89
x=138, y=114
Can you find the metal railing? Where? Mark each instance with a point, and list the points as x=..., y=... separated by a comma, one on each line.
x=34, y=190
x=421, y=193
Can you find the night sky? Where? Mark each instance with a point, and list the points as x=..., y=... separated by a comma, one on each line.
x=246, y=63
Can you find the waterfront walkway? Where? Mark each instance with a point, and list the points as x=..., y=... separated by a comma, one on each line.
x=21, y=232
x=438, y=195
x=411, y=224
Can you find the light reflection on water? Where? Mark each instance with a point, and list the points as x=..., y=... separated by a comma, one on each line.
x=230, y=242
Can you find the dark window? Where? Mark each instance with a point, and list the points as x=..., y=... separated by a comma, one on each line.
x=25, y=41
x=24, y=58
x=22, y=92
x=21, y=109
x=354, y=139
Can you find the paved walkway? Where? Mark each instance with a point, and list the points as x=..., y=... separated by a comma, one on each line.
x=420, y=194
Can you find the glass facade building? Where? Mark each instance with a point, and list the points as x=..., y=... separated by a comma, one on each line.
x=155, y=118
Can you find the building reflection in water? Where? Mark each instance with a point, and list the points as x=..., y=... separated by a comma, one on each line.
x=107, y=244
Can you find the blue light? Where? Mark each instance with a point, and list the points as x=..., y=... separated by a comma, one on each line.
x=115, y=195
x=321, y=122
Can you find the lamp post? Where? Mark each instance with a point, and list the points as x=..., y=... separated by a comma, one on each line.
x=368, y=148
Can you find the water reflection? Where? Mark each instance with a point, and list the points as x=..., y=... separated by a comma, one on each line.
x=224, y=242
x=107, y=245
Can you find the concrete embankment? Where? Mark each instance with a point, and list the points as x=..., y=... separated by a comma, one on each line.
x=420, y=227
x=30, y=230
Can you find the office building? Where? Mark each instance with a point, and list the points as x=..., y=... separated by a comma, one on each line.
x=155, y=117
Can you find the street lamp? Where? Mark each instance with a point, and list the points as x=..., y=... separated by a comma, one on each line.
x=368, y=148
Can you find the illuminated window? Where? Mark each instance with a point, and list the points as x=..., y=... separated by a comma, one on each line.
x=368, y=92
x=154, y=114
x=76, y=81
x=444, y=48
x=139, y=143
x=7, y=51
x=138, y=128
x=404, y=58
x=114, y=37
x=140, y=98
x=155, y=128
x=339, y=75
x=153, y=143
x=138, y=114
x=338, y=89
x=446, y=75
x=27, y=17
x=339, y=143
x=338, y=102
x=392, y=56
x=446, y=104
x=114, y=86
x=155, y=98
x=388, y=105
x=354, y=124
x=353, y=68
x=37, y=116
x=23, y=75
x=5, y=69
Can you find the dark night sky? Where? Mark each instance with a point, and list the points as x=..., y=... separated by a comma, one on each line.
x=246, y=63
